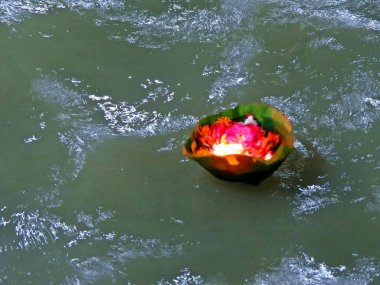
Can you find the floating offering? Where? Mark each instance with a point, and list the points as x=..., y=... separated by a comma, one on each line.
x=246, y=143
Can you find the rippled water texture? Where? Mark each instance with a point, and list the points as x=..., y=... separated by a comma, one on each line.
x=97, y=97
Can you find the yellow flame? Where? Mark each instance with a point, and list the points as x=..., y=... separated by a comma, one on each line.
x=268, y=156
x=226, y=149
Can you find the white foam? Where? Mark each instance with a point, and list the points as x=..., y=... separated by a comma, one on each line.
x=31, y=139
x=17, y=10
x=311, y=198
x=173, y=26
x=328, y=13
x=185, y=278
x=128, y=119
x=305, y=270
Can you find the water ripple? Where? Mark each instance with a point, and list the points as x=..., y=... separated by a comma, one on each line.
x=311, y=198
x=129, y=119
x=178, y=24
x=33, y=230
x=328, y=13
x=130, y=247
x=185, y=278
x=233, y=68
x=305, y=270
x=17, y=10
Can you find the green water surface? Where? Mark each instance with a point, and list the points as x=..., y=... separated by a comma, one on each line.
x=97, y=98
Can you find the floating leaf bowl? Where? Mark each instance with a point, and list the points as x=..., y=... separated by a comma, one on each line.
x=242, y=167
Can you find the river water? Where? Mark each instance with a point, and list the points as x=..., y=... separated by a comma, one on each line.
x=97, y=97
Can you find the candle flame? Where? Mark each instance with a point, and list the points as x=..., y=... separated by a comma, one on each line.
x=227, y=148
x=268, y=156
x=223, y=149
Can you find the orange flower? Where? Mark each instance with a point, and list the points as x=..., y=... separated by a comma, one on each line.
x=224, y=121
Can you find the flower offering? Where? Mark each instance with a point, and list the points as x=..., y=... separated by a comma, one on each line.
x=245, y=143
